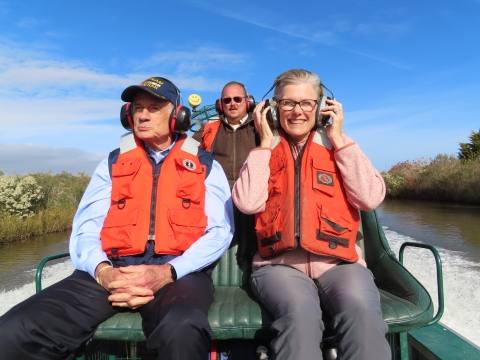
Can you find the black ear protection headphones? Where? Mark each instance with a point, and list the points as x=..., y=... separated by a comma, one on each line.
x=250, y=101
x=179, y=120
x=273, y=117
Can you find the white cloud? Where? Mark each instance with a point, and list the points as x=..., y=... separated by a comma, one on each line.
x=47, y=101
x=28, y=23
x=194, y=69
x=320, y=32
x=55, y=99
x=37, y=158
x=194, y=60
x=24, y=71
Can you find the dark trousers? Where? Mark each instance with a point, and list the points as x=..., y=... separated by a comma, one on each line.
x=53, y=323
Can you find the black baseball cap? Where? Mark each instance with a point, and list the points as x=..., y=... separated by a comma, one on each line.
x=156, y=86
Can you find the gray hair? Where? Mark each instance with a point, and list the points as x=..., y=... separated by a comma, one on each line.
x=297, y=76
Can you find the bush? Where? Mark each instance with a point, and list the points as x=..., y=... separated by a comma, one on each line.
x=403, y=174
x=19, y=196
x=63, y=189
x=445, y=178
x=40, y=203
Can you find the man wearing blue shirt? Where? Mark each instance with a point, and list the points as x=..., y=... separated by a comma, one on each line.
x=145, y=237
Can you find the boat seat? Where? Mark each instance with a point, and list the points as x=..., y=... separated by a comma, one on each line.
x=235, y=313
x=406, y=304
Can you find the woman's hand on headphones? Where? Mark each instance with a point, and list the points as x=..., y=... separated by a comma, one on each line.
x=261, y=124
x=334, y=129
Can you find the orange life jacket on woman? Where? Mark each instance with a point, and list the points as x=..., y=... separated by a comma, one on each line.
x=167, y=207
x=209, y=132
x=307, y=204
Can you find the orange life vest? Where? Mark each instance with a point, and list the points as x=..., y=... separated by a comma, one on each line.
x=209, y=132
x=307, y=204
x=167, y=207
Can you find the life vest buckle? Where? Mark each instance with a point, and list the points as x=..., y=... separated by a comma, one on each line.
x=121, y=203
x=114, y=254
x=186, y=203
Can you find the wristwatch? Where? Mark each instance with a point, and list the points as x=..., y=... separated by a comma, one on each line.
x=174, y=272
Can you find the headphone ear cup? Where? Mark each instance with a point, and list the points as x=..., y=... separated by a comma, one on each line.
x=126, y=118
x=272, y=114
x=180, y=119
x=321, y=120
x=219, y=107
x=250, y=103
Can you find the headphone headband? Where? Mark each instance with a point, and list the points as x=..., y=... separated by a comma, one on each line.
x=275, y=84
x=273, y=116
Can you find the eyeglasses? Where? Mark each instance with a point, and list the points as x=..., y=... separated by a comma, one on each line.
x=237, y=99
x=306, y=105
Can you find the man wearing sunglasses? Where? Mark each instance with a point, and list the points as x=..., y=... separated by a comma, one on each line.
x=230, y=138
x=233, y=135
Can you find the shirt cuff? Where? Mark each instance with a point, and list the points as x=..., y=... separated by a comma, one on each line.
x=94, y=261
x=182, y=266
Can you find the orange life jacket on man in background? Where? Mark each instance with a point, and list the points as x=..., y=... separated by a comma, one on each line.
x=307, y=204
x=167, y=207
x=209, y=133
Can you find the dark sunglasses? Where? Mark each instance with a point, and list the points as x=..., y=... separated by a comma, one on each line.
x=237, y=99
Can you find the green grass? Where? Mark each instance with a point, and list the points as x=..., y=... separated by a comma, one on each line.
x=445, y=178
x=61, y=196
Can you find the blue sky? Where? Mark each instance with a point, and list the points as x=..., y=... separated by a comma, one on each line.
x=406, y=72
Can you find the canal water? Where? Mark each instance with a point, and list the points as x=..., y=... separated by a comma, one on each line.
x=453, y=229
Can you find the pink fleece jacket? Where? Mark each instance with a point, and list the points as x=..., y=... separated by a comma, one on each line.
x=364, y=188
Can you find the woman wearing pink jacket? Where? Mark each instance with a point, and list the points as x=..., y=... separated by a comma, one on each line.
x=305, y=184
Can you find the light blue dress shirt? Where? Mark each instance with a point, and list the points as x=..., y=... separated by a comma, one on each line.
x=85, y=245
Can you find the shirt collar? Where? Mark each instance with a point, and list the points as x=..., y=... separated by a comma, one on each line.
x=160, y=155
x=240, y=123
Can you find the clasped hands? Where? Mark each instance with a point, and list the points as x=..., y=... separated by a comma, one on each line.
x=134, y=286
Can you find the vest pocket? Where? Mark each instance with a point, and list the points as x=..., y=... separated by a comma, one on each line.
x=334, y=228
x=119, y=228
x=269, y=232
x=269, y=238
x=188, y=225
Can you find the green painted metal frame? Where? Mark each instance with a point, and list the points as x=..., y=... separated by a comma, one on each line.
x=38, y=275
x=439, y=342
x=200, y=117
x=403, y=337
x=438, y=263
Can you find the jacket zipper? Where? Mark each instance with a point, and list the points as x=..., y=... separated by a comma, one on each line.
x=309, y=265
x=153, y=202
x=297, y=204
x=234, y=175
x=298, y=165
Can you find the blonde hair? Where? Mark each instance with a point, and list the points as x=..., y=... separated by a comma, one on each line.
x=297, y=76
